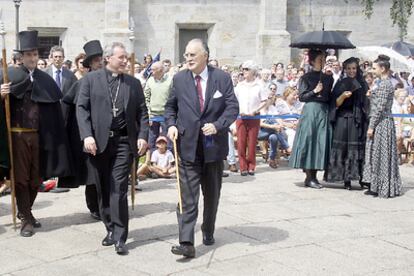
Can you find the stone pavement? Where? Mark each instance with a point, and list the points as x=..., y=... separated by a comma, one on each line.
x=268, y=224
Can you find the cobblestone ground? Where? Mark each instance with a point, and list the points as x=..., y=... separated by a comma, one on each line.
x=268, y=224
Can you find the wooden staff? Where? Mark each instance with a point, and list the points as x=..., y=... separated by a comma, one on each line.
x=177, y=172
x=134, y=162
x=8, y=124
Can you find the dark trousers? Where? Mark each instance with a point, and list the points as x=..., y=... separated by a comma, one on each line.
x=157, y=129
x=26, y=168
x=192, y=175
x=91, y=196
x=112, y=167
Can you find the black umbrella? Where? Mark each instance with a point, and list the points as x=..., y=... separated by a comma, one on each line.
x=322, y=40
x=403, y=48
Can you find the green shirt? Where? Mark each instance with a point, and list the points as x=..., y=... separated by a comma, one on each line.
x=156, y=94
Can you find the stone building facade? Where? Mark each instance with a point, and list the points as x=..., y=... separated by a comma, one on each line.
x=236, y=30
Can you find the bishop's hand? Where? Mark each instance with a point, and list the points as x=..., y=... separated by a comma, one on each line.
x=90, y=145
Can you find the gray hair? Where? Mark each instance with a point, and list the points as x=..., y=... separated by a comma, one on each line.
x=109, y=49
x=203, y=44
x=57, y=48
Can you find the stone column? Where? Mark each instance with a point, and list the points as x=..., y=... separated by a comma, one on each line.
x=116, y=22
x=272, y=42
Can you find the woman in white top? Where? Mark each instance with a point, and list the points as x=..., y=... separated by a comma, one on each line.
x=289, y=106
x=252, y=98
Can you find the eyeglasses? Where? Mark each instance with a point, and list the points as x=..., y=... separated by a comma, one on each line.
x=189, y=55
x=245, y=69
x=273, y=89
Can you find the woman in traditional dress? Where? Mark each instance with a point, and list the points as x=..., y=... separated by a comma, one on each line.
x=381, y=159
x=312, y=141
x=348, y=117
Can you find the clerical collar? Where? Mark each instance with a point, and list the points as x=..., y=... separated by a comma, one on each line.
x=111, y=75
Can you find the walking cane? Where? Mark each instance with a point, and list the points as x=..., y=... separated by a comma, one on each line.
x=177, y=172
x=8, y=124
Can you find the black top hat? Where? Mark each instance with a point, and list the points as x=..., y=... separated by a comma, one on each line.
x=28, y=41
x=92, y=49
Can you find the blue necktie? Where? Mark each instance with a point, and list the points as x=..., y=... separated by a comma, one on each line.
x=59, y=84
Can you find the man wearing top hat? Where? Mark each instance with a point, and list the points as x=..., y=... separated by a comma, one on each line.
x=38, y=134
x=93, y=62
x=113, y=125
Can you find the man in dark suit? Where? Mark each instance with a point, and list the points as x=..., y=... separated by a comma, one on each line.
x=201, y=107
x=113, y=125
x=64, y=79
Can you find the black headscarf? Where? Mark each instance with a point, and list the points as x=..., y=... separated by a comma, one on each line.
x=360, y=101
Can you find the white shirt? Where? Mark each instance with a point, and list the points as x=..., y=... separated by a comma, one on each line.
x=203, y=81
x=250, y=95
x=31, y=75
x=54, y=69
x=162, y=159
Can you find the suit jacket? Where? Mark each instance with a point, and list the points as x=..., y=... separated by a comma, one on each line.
x=68, y=79
x=183, y=111
x=93, y=109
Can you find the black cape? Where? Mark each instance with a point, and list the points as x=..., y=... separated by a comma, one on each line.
x=80, y=175
x=4, y=149
x=55, y=157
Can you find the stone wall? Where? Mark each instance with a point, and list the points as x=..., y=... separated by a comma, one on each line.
x=237, y=29
x=232, y=26
x=82, y=19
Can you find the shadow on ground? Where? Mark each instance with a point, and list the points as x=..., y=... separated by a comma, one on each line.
x=249, y=235
x=58, y=222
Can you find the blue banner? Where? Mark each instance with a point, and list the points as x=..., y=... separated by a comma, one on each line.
x=289, y=116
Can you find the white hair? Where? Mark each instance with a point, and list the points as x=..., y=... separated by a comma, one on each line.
x=109, y=49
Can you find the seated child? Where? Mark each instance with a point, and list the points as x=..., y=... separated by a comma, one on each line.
x=162, y=161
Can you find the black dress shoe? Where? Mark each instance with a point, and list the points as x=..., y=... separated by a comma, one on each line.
x=243, y=173
x=208, y=239
x=108, y=241
x=186, y=250
x=224, y=174
x=121, y=249
x=313, y=184
x=347, y=185
x=251, y=173
x=95, y=215
x=27, y=229
x=371, y=193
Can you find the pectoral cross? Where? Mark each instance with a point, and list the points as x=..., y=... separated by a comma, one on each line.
x=114, y=110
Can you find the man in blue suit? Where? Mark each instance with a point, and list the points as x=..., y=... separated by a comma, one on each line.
x=201, y=107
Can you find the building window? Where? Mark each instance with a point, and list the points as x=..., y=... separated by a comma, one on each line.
x=188, y=34
x=45, y=43
x=48, y=37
